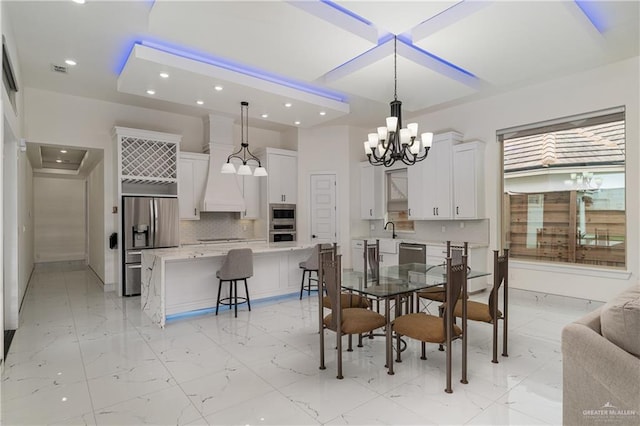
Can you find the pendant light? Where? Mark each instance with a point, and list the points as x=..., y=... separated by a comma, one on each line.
x=243, y=154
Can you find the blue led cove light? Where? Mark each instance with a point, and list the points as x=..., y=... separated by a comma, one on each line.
x=437, y=58
x=592, y=11
x=347, y=12
x=242, y=69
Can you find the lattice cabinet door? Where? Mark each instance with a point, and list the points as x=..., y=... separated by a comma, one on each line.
x=147, y=157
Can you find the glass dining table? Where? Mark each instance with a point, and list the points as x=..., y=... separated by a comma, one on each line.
x=393, y=283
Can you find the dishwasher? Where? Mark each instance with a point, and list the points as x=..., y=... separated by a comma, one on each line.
x=412, y=253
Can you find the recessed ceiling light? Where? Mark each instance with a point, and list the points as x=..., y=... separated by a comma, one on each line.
x=296, y=123
x=58, y=161
x=199, y=102
x=323, y=113
x=63, y=151
x=218, y=88
x=151, y=92
x=70, y=62
x=78, y=1
x=264, y=115
x=164, y=75
x=287, y=105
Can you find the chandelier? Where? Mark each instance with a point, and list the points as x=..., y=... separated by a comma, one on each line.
x=584, y=181
x=243, y=154
x=393, y=142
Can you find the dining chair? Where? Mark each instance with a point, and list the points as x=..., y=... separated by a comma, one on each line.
x=437, y=294
x=490, y=312
x=441, y=330
x=343, y=321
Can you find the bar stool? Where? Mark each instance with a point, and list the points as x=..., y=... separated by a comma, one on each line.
x=308, y=266
x=238, y=265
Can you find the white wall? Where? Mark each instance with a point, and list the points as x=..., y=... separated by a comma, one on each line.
x=592, y=90
x=25, y=223
x=327, y=150
x=60, y=219
x=97, y=245
x=11, y=121
x=70, y=120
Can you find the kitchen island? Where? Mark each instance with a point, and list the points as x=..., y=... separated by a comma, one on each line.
x=183, y=279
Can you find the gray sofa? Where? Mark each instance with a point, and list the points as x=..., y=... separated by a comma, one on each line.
x=601, y=364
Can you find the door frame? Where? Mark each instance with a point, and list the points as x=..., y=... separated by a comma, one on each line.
x=309, y=198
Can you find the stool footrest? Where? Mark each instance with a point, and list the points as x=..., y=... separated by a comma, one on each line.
x=230, y=301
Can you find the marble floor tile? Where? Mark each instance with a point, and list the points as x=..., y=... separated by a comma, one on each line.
x=49, y=405
x=324, y=397
x=271, y=408
x=380, y=411
x=123, y=385
x=166, y=407
x=224, y=389
x=500, y=414
x=86, y=357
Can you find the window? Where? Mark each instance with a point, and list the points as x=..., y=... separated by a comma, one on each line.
x=397, y=200
x=564, y=190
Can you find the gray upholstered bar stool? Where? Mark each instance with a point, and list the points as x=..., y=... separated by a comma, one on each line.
x=238, y=265
x=309, y=266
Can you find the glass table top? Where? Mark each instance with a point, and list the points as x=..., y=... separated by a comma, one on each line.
x=400, y=279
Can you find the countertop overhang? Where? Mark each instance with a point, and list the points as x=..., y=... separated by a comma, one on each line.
x=221, y=249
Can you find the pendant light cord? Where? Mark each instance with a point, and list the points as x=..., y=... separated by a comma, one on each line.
x=395, y=68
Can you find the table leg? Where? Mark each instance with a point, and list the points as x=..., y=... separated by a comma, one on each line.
x=389, y=337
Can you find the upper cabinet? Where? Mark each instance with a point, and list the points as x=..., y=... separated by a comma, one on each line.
x=147, y=161
x=416, y=201
x=192, y=178
x=449, y=183
x=371, y=191
x=468, y=180
x=282, y=182
x=437, y=177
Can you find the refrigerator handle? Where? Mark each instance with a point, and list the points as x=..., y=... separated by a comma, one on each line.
x=152, y=223
x=155, y=222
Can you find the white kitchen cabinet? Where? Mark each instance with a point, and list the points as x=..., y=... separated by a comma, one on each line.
x=437, y=178
x=371, y=191
x=282, y=182
x=416, y=181
x=192, y=178
x=468, y=180
x=251, y=193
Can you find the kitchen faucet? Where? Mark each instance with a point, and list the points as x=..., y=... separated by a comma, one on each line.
x=393, y=227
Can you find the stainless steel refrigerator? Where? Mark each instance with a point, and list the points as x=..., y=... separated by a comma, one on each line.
x=147, y=222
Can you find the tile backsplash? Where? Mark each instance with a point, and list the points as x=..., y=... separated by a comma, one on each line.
x=215, y=225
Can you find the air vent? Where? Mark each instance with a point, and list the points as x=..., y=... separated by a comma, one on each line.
x=59, y=68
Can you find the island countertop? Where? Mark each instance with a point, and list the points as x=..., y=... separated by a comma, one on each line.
x=221, y=249
x=183, y=279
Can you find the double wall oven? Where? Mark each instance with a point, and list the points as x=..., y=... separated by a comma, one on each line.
x=282, y=222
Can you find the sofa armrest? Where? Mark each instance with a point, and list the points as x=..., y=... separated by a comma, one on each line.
x=596, y=372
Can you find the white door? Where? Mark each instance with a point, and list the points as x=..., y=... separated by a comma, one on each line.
x=323, y=208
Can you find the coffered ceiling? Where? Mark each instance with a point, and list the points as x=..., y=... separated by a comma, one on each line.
x=331, y=57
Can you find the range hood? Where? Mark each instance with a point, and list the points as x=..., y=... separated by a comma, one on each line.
x=222, y=192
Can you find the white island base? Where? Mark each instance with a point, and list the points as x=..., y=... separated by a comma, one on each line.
x=182, y=280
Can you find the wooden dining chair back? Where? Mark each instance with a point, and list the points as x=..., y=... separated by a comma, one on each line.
x=490, y=312
x=343, y=321
x=439, y=329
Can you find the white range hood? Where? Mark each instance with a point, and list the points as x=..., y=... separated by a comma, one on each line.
x=222, y=192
